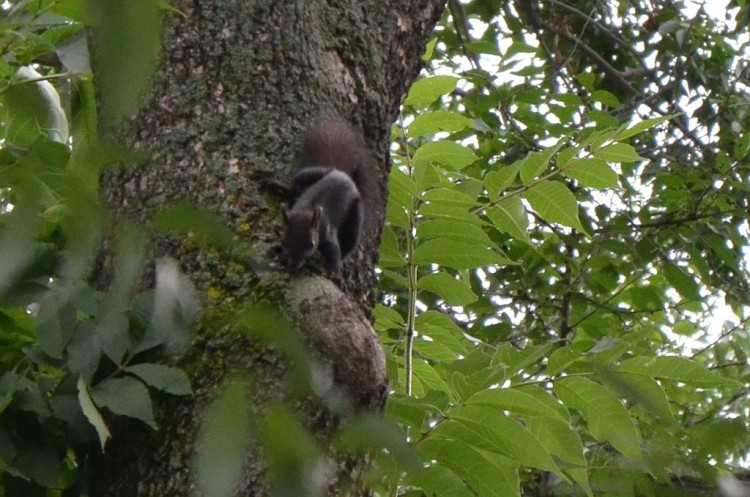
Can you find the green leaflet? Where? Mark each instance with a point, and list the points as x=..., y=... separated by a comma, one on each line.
x=454, y=230
x=518, y=360
x=497, y=180
x=562, y=442
x=454, y=291
x=617, y=152
x=487, y=474
x=222, y=442
x=517, y=401
x=439, y=120
x=390, y=254
x=126, y=57
x=675, y=368
x=413, y=411
x=433, y=350
x=440, y=481
x=451, y=155
x=488, y=428
x=161, y=377
x=560, y=359
x=429, y=377
x=640, y=390
x=510, y=217
x=606, y=98
x=55, y=322
x=554, y=203
x=387, y=318
x=682, y=281
x=442, y=329
x=205, y=226
x=427, y=90
x=592, y=172
x=457, y=255
x=126, y=397
x=642, y=126
x=449, y=197
x=606, y=417
x=460, y=214
x=536, y=162
x=290, y=454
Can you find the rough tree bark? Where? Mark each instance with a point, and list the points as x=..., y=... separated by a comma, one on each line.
x=238, y=84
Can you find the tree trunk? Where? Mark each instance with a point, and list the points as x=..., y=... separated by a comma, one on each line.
x=239, y=83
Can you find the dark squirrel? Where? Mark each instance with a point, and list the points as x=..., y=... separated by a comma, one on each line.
x=326, y=196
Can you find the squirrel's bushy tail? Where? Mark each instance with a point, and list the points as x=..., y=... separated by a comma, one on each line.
x=334, y=143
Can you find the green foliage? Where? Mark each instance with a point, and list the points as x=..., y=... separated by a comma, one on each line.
x=568, y=225
x=125, y=57
x=223, y=441
x=73, y=348
x=562, y=240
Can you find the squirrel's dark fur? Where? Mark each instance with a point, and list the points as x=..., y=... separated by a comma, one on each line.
x=325, y=196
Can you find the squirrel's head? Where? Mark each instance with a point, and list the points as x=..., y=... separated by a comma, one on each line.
x=301, y=235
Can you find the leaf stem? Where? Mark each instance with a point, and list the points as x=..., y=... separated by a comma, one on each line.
x=412, y=275
x=522, y=189
x=36, y=80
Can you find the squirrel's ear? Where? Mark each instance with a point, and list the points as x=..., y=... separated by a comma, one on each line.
x=317, y=213
x=285, y=215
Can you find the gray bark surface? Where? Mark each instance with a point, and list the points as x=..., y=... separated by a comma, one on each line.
x=239, y=83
